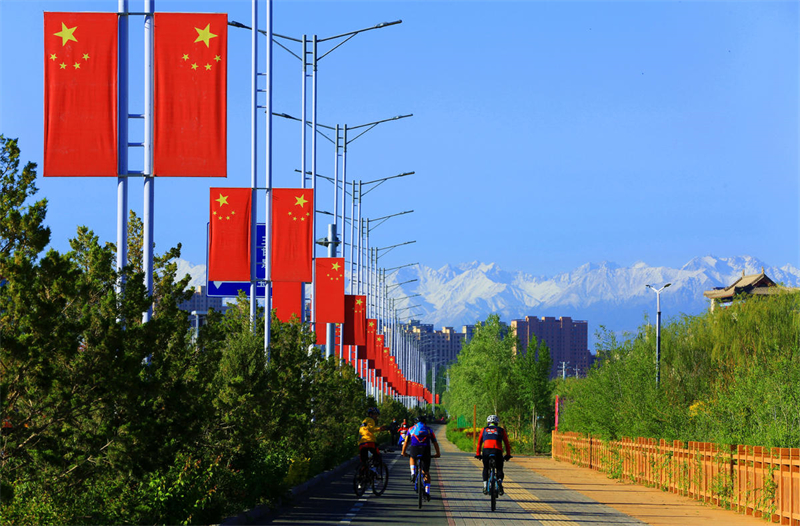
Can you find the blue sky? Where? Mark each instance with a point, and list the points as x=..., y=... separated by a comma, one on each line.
x=545, y=134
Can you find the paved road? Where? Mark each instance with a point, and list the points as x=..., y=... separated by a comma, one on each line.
x=457, y=499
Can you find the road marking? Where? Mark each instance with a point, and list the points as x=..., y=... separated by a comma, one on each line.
x=350, y=515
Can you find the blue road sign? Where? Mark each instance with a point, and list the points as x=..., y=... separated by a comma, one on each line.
x=226, y=289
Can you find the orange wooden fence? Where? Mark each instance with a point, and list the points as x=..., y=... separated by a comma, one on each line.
x=753, y=480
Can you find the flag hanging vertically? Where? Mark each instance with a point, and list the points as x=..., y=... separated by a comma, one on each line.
x=190, y=95
x=229, y=234
x=292, y=234
x=80, y=94
x=329, y=290
x=287, y=300
x=355, y=320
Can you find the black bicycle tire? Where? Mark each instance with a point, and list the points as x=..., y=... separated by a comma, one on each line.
x=357, y=477
x=493, y=483
x=420, y=484
x=384, y=471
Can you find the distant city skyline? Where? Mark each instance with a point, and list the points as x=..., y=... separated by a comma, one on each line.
x=545, y=134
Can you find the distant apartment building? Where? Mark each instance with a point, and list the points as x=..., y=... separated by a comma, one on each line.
x=439, y=347
x=200, y=304
x=567, y=339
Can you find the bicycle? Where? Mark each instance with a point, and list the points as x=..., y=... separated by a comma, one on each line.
x=372, y=473
x=419, y=483
x=492, y=483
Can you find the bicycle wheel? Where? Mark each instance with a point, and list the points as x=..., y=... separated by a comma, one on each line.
x=420, y=485
x=359, y=481
x=380, y=480
x=493, y=484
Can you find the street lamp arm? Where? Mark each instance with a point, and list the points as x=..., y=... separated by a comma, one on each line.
x=403, y=283
x=385, y=218
x=380, y=181
x=396, y=117
x=395, y=246
x=403, y=266
x=349, y=33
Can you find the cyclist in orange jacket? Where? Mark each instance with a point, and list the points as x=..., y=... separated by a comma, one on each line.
x=492, y=439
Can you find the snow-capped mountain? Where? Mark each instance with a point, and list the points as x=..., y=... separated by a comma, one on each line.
x=601, y=293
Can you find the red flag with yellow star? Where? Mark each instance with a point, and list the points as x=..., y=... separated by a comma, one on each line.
x=190, y=95
x=355, y=320
x=229, y=234
x=329, y=290
x=80, y=94
x=287, y=300
x=292, y=234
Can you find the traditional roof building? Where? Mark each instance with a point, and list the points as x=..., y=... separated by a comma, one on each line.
x=754, y=284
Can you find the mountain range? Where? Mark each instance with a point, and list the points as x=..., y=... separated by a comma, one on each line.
x=603, y=294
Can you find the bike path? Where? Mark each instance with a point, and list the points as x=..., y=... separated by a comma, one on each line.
x=529, y=497
x=335, y=502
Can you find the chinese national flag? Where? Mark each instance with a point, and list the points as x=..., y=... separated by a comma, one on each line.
x=80, y=94
x=378, y=357
x=287, y=300
x=372, y=327
x=292, y=234
x=355, y=320
x=190, y=96
x=229, y=235
x=329, y=290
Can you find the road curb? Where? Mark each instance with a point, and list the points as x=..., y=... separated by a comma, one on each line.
x=264, y=513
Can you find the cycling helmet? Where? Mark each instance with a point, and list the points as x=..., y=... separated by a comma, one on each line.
x=421, y=419
x=492, y=419
x=372, y=410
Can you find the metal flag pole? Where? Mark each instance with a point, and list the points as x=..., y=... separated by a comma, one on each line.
x=303, y=165
x=149, y=181
x=254, y=165
x=122, y=141
x=268, y=241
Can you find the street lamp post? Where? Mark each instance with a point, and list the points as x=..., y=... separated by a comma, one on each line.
x=658, y=330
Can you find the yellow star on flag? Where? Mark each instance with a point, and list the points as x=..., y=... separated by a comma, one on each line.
x=53, y=56
x=204, y=35
x=77, y=65
x=194, y=66
x=66, y=34
x=223, y=200
x=300, y=200
x=359, y=302
x=63, y=65
x=185, y=57
x=217, y=58
x=336, y=266
x=207, y=66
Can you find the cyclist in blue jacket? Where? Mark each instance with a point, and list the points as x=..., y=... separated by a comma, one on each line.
x=418, y=441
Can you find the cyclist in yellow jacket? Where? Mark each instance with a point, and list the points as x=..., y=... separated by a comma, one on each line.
x=367, y=441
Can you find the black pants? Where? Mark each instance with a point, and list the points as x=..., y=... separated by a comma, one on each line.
x=370, y=446
x=498, y=462
x=413, y=451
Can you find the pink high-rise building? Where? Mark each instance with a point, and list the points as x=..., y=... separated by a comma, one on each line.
x=567, y=339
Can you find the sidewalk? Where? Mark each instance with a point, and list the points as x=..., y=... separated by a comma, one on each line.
x=649, y=505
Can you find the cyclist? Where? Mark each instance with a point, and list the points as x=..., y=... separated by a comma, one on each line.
x=418, y=441
x=492, y=439
x=367, y=440
x=403, y=431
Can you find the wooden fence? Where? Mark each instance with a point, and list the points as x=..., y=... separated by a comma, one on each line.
x=752, y=480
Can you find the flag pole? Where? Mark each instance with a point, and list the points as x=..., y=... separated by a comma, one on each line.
x=254, y=165
x=268, y=241
x=303, y=163
x=149, y=182
x=122, y=141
